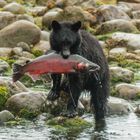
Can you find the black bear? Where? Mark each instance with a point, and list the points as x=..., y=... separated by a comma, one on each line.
x=67, y=38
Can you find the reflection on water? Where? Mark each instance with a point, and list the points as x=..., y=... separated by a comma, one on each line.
x=116, y=128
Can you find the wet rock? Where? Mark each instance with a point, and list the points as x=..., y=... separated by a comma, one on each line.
x=3, y=66
x=64, y=124
x=110, y=12
x=15, y=8
x=2, y=3
x=132, y=6
x=137, y=110
x=128, y=91
x=116, y=25
x=115, y=106
x=25, y=17
x=118, y=106
x=6, y=115
x=19, y=31
x=115, y=52
x=45, y=35
x=136, y=22
x=38, y=10
x=5, y=52
x=131, y=41
x=120, y=74
x=6, y=18
x=136, y=14
x=42, y=47
x=12, y=87
x=27, y=104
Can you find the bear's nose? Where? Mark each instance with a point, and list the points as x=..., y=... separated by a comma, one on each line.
x=65, y=54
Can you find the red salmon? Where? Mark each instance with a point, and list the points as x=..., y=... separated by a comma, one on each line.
x=54, y=63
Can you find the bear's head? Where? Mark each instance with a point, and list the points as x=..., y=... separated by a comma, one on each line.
x=65, y=37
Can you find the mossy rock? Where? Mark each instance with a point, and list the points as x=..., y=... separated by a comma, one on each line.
x=8, y=60
x=4, y=95
x=104, y=37
x=38, y=22
x=17, y=121
x=69, y=125
x=28, y=114
x=37, y=52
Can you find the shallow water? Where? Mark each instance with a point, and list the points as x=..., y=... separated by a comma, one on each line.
x=125, y=127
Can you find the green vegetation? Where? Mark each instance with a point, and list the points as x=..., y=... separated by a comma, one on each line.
x=104, y=37
x=28, y=114
x=8, y=60
x=68, y=125
x=37, y=53
x=4, y=94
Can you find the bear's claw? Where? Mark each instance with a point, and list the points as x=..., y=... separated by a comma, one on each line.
x=52, y=95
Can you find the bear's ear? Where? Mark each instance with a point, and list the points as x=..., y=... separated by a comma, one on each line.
x=76, y=26
x=55, y=25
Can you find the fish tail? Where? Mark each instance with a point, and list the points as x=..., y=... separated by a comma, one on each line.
x=17, y=72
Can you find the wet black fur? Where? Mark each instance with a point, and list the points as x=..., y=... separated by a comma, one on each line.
x=67, y=38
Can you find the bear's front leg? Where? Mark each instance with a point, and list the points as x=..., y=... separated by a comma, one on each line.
x=55, y=90
x=74, y=91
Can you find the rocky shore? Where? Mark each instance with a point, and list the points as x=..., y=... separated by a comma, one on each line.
x=24, y=35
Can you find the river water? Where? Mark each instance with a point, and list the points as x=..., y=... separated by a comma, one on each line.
x=126, y=127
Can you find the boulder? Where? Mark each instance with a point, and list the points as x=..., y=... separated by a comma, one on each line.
x=3, y=66
x=14, y=8
x=27, y=55
x=42, y=46
x=116, y=25
x=136, y=14
x=27, y=103
x=121, y=74
x=45, y=35
x=130, y=1
x=137, y=110
x=38, y=10
x=70, y=13
x=6, y=18
x=5, y=52
x=25, y=17
x=117, y=106
x=19, y=31
x=17, y=51
x=12, y=87
x=24, y=46
x=110, y=12
x=49, y=17
x=136, y=22
x=81, y=3
x=129, y=40
x=6, y=115
x=128, y=91
x=115, y=52
x=2, y=3
x=132, y=6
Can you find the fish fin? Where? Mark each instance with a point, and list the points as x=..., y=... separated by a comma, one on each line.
x=16, y=72
x=33, y=77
